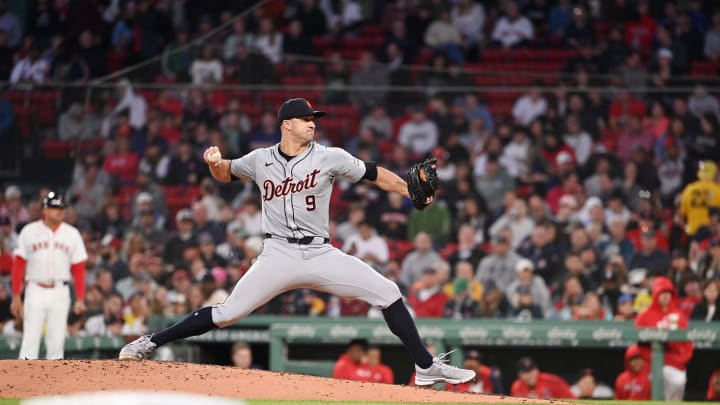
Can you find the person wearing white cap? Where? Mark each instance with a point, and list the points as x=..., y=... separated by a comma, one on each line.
x=526, y=278
x=13, y=207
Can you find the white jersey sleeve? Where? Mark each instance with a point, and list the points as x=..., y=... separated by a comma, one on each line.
x=345, y=165
x=78, y=254
x=245, y=166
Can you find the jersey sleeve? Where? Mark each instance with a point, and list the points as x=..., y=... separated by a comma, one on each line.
x=244, y=166
x=345, y=165
x=78, y=253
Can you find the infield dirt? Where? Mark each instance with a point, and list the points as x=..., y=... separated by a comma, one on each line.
x=23, y=379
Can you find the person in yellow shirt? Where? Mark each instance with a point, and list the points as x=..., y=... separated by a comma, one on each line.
x=465, y=270
x=698, y=196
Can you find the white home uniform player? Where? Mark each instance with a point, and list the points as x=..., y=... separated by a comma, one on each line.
x=49, y=253
x=296, y=179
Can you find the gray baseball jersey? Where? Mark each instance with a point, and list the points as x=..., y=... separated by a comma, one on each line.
x=296, y=193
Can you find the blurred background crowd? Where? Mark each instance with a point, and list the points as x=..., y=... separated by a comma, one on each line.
x=576, y=144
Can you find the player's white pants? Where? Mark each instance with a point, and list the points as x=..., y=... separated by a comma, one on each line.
x=674, y=383
x=48, y=306
x=284, y=266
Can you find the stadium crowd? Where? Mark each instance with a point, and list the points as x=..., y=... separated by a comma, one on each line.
x=564, y=202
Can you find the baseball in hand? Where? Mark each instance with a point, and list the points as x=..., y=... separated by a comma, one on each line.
x=214, y=157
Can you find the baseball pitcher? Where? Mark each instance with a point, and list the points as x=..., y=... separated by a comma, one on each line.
x=48, y=254
x=296, y=179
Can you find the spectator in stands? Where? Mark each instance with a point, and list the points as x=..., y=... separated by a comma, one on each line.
x=579, y=30
x=88, y=197
x=420, y=134
x=369, y=73
x=267, y=133
x=351, y=365
x=529, y=106
x=110, y=321
x=461, y=305
x=426, y=295
x=639, y=31
x=513, y=30
x=207, y=69
x=296, y=42
x=468, y=17
x=185, y=237
x=517, y=220
x=499, y=265
x=538, y=247
x=527, y=283
x=487, y=380
x=120, y=162
x=367, y=245
x=392, y=219
x=10, y=24
x=711, y=49
x=239, y=35
x=532, y=383
x=579, y=140
x=342, y=17
x=134, y=104
x=591, y=309
x=77, y=124
x=249, y=67
x=634, y=75
x=135, y=315
x=204, y=225
x=378, y=121
x=178, y=56
x=468, y=247
x=242, y=357
x=571, y=297
x=493, y=183
x=269, y=41
x=435, y=220
x=707, y=310
x=625, y=310
x=422, y=257
x=198, y=110
x=14, y=208
x=701, y=103
x=650, y=256
x=559, y=18
x=444, y=37
x=517, y=154
x=31, y=69
x=184, y=165
x=92, y=54
x=694, y=212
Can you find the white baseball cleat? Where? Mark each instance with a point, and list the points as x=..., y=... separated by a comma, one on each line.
x=440, y=371
x=138, y=349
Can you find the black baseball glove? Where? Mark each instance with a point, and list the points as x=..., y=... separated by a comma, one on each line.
x=422, y=182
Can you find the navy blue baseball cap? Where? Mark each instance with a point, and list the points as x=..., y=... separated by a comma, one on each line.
x=53, y=200
x=295, y=108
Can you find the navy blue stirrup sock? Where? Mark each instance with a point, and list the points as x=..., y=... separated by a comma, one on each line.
x=196, y=323
x=402, y=325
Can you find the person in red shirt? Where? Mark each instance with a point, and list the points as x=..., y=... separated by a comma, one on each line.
x=713, y=391
x=379, y=372
x=664, y=313
x=634, y=382
x=487, y=380
x=426, y=296
x=532, y=383
x=351, y=365
x=122, y=163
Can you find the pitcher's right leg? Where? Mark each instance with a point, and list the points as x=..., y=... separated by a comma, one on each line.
x=271, y=274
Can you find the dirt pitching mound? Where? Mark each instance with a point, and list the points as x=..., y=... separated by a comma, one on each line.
x=23, y=379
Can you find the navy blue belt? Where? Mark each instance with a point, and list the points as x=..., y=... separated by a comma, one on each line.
x=300, y=241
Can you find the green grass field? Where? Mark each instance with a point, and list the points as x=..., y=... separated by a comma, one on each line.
x=7, y=401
